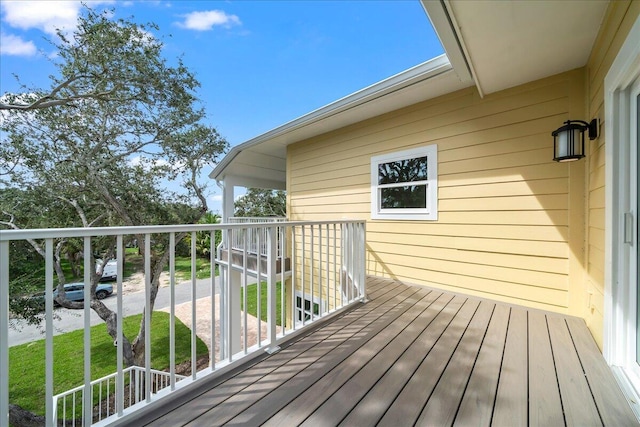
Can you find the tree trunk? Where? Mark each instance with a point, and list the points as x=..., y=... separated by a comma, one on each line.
x=110, y=319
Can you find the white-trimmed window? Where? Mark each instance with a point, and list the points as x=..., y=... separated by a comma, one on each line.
x=308, y=310
x=404, y=184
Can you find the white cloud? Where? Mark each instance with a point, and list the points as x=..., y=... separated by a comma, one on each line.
x=15, y=45
x=46, y=16
x=216, y=198
x=206, y=20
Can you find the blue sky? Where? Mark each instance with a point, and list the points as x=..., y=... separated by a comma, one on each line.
x=260, y=63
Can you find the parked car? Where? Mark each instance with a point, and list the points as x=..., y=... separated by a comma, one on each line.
x=75, y=291
x=110, y=271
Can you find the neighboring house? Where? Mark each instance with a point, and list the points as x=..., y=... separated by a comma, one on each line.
x=496, y=217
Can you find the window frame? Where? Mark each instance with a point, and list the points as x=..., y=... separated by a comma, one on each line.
x=301, y=313
x=428, y=213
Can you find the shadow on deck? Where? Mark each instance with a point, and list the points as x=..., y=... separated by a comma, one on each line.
x=414, y=355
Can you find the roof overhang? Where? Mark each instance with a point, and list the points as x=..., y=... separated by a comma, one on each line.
x=492, y=44
x=508, y=43
x=261, y=161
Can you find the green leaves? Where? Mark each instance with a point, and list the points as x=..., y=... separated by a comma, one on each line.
x=98, y=146
x=262, y=203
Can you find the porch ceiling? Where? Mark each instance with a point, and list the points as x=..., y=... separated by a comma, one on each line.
x=508, y=43
x=414, y=355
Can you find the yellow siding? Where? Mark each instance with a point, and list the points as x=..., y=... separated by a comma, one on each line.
x=513, y=225
x=616, y=25
x=504, y=206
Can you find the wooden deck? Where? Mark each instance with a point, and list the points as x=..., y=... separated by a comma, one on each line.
x=414, y=356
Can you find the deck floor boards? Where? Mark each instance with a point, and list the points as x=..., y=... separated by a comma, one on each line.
x=545, y=405
x=477, y=404
x=415, y=356
x=349, y=357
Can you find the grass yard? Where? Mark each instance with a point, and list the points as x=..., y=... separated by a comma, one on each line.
x=252, y=301
x=26, y=362
x=183, y=268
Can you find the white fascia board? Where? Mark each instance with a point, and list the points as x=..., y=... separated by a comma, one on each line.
x=443, y=22
x=421, y=72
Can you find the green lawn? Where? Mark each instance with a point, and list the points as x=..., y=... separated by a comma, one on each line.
x=183, y=268
x=252, y=301
x=26, y=362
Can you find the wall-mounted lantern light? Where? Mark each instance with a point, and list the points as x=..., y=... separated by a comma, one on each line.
x=568, y=140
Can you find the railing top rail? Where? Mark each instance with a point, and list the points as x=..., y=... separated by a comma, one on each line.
x=237, y=219
x=53, y=233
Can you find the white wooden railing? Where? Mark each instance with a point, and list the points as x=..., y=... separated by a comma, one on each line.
x=318, y=267
x=65, y=404
x=251, y=244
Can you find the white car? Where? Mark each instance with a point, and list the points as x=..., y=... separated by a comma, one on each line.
x=110, y=271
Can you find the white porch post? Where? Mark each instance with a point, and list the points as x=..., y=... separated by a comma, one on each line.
x=233, y=277
x=235, y=285
x=228, y=186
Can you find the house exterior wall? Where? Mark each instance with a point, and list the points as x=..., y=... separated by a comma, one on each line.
x=504, y=206
x=513, y=225
x=618, y=21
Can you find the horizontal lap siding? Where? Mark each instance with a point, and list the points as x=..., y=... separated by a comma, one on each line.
x=618, y=20
x=503, y=227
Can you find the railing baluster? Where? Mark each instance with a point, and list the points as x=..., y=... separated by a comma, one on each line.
x=48, y=302
x=320, y=287
x=326, y=309
x=312, y=272
x=294, y=276
x=259, y=287
x=147, y=316
x=336, y=277
x=304, y=277
x=194, y=323
x=271, y=289
x=99, y=401
x=227, y=305
x=172, y=309
x=213, y=263
x=343, y=258
x=282, y=249
x=245, y=318
x=73, y=408
x=363, y=259
x=87, y=406
x=119, y=331
x=107, y=411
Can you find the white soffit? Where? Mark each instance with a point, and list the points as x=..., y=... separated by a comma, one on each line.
x=261, y=161
x=508, y=43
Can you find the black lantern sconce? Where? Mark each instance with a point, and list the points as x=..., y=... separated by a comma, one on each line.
x=568, y=140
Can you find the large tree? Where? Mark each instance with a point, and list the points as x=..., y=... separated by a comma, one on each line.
x=99, y=146
x=258, y=202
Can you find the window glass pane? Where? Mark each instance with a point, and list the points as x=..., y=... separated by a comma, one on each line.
x=407, y=170
x=408, y=196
